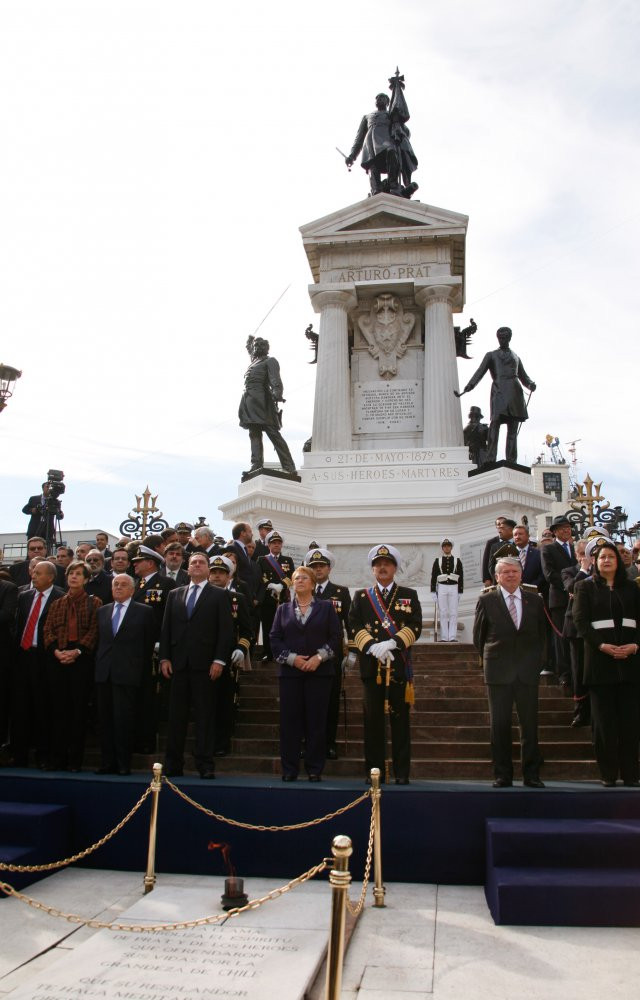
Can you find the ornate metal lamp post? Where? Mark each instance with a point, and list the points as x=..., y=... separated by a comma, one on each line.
x=8, y=377
x=145, y=518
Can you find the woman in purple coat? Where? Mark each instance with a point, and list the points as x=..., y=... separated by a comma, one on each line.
x=305, y=637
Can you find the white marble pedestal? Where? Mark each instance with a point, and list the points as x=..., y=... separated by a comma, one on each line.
x=411, y=498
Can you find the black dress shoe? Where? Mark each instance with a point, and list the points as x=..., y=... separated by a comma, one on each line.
x=289, y=777
x=578, y=722
x=207, y=775
x=332, y=753
x=124, y=774
x=533, y=783
x=631, y=784
x=220, y=753
x=607, y=783
x=315, y=777
x=106, y=770
x=502, y=783
x=402, y=781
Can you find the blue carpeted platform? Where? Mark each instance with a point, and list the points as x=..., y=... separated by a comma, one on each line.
x=547, y=872
x=432, y=831
x=32, y=834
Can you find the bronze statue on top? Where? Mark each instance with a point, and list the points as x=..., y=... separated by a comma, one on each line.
x=507, y=398
x=384, y=140
x=258, y=411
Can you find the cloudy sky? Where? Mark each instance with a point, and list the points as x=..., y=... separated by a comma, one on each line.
x=158, y=159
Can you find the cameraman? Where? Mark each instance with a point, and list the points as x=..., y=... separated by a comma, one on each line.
x=41, y=519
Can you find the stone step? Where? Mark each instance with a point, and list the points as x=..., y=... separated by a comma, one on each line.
x=438, y=750
x=458, y=769
x=438, y=734
x=556, y=717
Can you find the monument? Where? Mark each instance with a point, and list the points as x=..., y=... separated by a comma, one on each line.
x=387, y=457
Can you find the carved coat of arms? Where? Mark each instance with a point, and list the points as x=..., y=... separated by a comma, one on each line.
x=387, y=328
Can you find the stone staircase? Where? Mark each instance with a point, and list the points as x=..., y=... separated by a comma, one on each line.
x=450, y=724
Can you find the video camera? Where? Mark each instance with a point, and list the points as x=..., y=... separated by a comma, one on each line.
x=53, y=490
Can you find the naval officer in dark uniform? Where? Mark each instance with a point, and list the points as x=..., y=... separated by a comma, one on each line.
x=321, y=561
x=277, y=571
x=385, y=620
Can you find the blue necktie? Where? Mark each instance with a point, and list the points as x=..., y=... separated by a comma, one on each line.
x=567, y=549
x=191, y=601
x=115, y=619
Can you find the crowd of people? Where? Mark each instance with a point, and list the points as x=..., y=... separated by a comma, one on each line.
x=160, y=630
x=570, y=613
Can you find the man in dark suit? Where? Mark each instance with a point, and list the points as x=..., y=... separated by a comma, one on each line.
x=529, y=557
x=19, y=572
x=8, y=604
x=556, y=557
x=222, y=574
x=509, y=634
x=40, y=521
x=321, y=561
x=99, y=583
x=384, y=621
x=31, y=701
x=198, y=635
x=242, y=534
x=153, y=590
x=173, y=560
x=126, y=635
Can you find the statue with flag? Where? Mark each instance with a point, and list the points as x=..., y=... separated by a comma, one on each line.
x=385, y=142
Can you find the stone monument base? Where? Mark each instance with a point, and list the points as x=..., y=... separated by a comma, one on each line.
x=501, y=464
x=409, y=497
x=268, y=470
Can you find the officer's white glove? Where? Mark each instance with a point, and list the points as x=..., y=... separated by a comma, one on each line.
x=380, y=649
x=348, y=662
x=156, y=648
x=434, y=596
x=275, y=588
x=237, y=657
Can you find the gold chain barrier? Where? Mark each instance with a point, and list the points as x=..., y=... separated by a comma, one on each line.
x=259, y=826
x=181, y=925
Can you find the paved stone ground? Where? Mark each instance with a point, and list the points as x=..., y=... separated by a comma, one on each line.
x=428, y=942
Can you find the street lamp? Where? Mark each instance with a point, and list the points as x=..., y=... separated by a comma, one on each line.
x=8, y=376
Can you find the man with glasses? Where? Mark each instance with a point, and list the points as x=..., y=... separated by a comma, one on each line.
x=99, y=583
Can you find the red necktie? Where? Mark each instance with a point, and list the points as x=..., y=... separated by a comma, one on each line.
x=30, y=628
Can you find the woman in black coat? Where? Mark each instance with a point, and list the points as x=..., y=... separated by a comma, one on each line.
x=305, y=638
x=606, y=614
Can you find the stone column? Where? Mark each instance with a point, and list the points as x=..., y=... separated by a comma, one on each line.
x=332, y=406
x=442, y=411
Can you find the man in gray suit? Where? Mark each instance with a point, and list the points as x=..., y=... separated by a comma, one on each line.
x=509, y=633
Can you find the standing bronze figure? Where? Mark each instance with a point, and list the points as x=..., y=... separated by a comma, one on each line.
x=384, y=139
x=507, y=399
x=258, y=411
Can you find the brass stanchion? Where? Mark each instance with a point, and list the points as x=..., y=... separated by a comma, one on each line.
x=340, y=879
x=376, y=794
x=156, y=785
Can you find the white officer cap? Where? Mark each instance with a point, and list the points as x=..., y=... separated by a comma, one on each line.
x=319, y=557
x=384, y=552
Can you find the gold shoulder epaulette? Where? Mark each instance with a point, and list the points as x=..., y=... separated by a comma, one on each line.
x=530, y=588
x=489, y=590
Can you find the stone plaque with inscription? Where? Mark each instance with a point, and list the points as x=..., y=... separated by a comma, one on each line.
x=387, y=406
x=229, y=961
